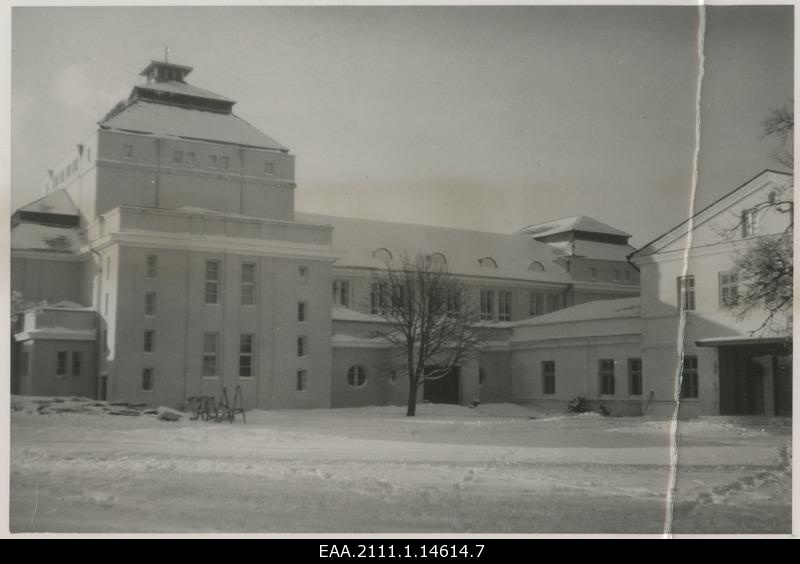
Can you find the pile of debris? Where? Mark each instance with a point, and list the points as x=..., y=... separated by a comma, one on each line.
x=56, y=405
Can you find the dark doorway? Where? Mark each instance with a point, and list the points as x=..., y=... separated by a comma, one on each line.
x=755, y=380
x=446, y=389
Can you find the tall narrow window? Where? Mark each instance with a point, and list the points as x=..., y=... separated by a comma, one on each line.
x=246, y=355
x=269, y=168
x=61, y=363
x=487, y=305
x=248, y=283
x=728, y=289
x=377, y=298
x=454, y=303
x=689, y=379
x=635, y=376
x=212, y=281
x=553, y=302
x=210, y=348
x=302, y=312
x=150, y=304
x=152, y=266
x=77, y=360
x=686, y=293
x=607, y=377
x=149, y=341
x=127, y=151
x=504, y=306
x=536, y=304
x=548, y=377
x=147, y=379
x=302, y=382
x=341, y=292
x=302, y=349
x=481, y=376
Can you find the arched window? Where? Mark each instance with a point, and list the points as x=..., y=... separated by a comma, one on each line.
x=487, y=262
x=536, y=265
x=383, y=255
x=438, y=260
x=481, y=376
x=357, y=376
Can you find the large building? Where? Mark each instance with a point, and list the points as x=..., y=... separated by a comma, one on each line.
x=166, y=260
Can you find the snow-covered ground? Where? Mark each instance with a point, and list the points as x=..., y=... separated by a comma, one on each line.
x=495, y=469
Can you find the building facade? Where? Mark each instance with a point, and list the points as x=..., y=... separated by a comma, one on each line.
x=167, y=261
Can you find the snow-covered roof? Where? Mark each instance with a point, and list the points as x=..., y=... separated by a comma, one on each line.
x=513, y=253
x=165, y=120
x=600, y=309
x=340, y=313
x=575, y=223
x=57, y=202
x=35, y=237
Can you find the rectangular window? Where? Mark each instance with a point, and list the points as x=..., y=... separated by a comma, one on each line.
x=553, y=302
x=105, y=306
x=190, y=158
x=147, y=379
x=593, y=272
x=108, y=268
x=686, y=293
x=487, y=305
x=127, y=151
x=150, y=304
x=635, y=376
x=302, y=311
x=536, y=304
x=728, y=289
x=149, y=341
x=152, y=266
x=212, y=161
x=61, y=363
x=301, y=381
x=178, y=157
x=749, y=223
x=248, y=283
x=224, y=163
x=302, y=273
x=504, y=306
x=212, y=281
x=77, y=358
x=301, y=347
x=548, y=377
x=606, y=377
x=210, y=348
x=246, y=355
x=341, y=293
x=377, y=298
x=269, y=168
x=453, y=303
x=689, y=378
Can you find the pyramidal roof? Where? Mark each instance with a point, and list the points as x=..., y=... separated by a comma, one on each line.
x=167, y=106
x=582, y=223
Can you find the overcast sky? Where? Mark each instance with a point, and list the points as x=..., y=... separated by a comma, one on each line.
x=487, y=118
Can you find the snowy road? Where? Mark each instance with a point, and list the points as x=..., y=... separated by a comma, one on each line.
x=371, y=470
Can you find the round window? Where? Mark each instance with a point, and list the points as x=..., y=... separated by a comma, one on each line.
x=357, y=376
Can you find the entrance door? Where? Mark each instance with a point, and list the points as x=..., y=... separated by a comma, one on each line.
x=446, y=389
x=102, y=386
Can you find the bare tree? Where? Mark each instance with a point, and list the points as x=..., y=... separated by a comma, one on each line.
x=766, y=269
x=430, y=319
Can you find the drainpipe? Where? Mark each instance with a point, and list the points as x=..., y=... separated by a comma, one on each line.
x=241, y=180
x=98, y=318
x=158, y=173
